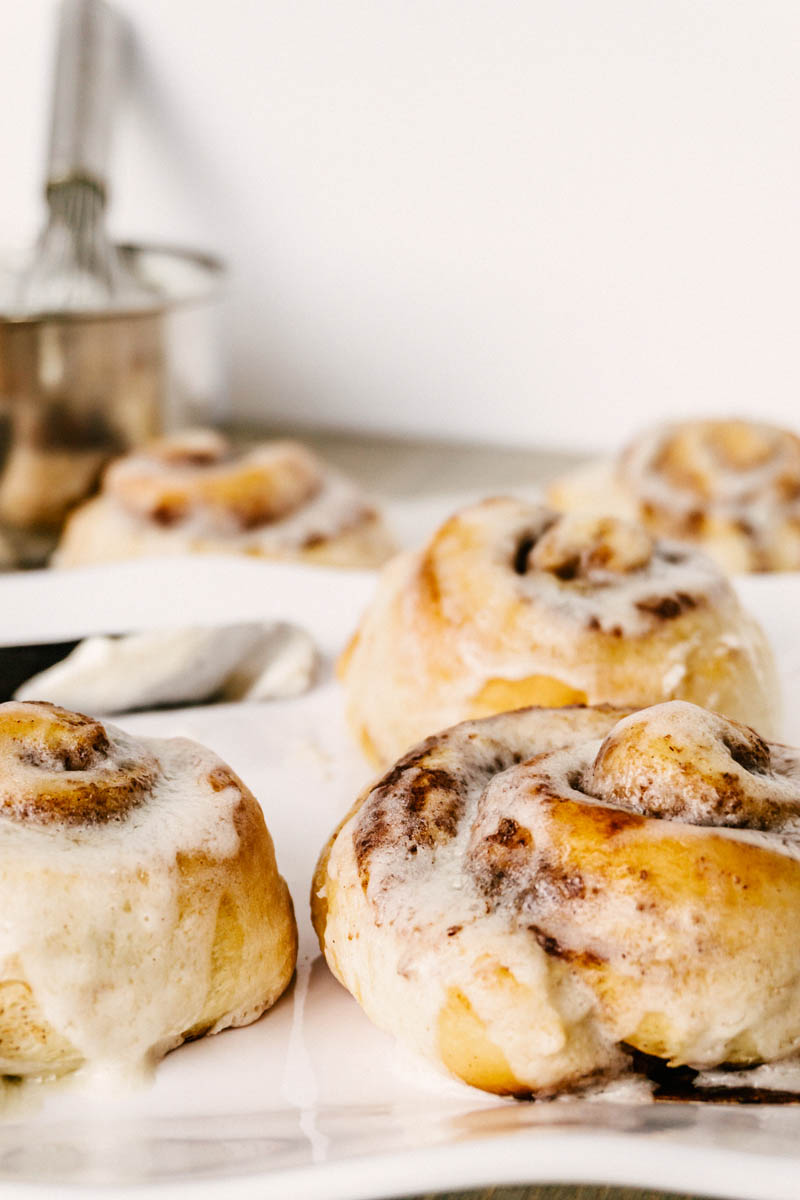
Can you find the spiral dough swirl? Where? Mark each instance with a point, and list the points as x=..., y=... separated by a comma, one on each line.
x=730, y=486
x=60, y=766
x=200, y=472
x=531, y=898
x=512, y=604
x=195, y=491
x=141, y=900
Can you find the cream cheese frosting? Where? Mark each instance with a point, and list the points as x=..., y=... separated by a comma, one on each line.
x=246, y=661
x=140, y=899
x=534, y=899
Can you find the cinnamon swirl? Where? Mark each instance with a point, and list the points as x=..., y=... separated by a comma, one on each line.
x=141, y=901
x=193, y=492
x=731, y=487
x=511, y=604
x=536, y=900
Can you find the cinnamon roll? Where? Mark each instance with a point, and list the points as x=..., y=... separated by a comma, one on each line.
x=731, y=487
x=539, y=899
x=141, y=901
x=511, y=604
x=194, y=492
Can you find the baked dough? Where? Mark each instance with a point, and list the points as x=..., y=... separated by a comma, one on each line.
x=529, y=899
x=511, y=604
x=193, y=492
x=731, y=487
x=141, y=901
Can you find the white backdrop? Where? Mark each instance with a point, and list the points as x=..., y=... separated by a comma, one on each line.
x=529, y=222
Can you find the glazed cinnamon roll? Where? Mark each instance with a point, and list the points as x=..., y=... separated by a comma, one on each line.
x=731, y=487
x=141, y=901
x=537, y=900
x=195, y=492
x=511, y=604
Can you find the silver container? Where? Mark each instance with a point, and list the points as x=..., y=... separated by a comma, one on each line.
x=78, y=388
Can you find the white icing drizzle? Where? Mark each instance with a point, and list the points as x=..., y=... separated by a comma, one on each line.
x=336, y=507
x=783, y=1075
x=299, y=1079
x=755, y=500
x=90, y=913
x=738, y=491
x=616, y=599
x=619, y=575
x=415, y=900
x=508, y=591
x=732, y=486
x=427, y=923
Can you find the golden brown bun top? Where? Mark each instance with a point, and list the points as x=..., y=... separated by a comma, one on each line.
x=604, y=574
x=528, y=897
x=670, y=770
x=141, y=900
x=199, y=473
x=624, y=838
x=676, y=808
x=420, y=803
x=741, y=471
x=677, y=762
x=63, y=767
x=511, y=604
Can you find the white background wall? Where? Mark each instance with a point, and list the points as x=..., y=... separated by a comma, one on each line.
x=529, y=222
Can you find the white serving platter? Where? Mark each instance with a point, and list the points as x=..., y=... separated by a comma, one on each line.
x=312, y=1101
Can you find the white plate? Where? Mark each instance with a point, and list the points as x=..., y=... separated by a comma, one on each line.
x=312, y=1101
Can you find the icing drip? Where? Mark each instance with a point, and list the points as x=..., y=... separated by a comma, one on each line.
x=97, y=928
x=609, y=575
x=594, y=886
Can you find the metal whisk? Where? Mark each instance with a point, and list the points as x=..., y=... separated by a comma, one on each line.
x=75, y=266
x=82, y=353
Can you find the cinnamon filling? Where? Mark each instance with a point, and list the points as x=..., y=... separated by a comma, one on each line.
x=202, y=473
x=59, y=766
